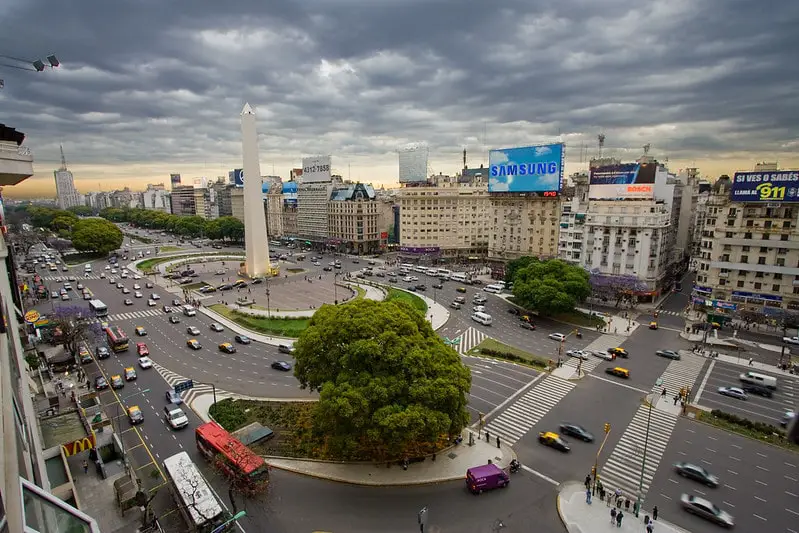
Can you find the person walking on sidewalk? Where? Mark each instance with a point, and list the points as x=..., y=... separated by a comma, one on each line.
x=588, y=496
x=619, y=518
x=85, y=467
x=612, y=515
x=655, y=513
x=650, y=527
x=588, y=481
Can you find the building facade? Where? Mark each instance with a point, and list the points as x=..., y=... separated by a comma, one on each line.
x=182, y=200
x=156, y=197
x=572, y=220
x=222, y=191
x=204, y=204
x=522, y=225
x=312, y=207
x=66, y=193
x=274, y=211
x=354, y=220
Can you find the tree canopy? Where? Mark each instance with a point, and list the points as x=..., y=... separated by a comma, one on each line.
x=550, y=287
x=75, y=325
x=96, y=234
x=513, y=267
x=615, y=288
x=386, y=381
x=226, y=228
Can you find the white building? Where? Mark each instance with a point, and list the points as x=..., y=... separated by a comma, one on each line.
x=572, y=221
x=67, y=195
x=156, y=197
x=312, y=207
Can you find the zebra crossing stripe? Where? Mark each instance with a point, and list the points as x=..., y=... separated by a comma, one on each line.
x=469, y=339
x=515, y=421
x=630, y=462
x=682, y=373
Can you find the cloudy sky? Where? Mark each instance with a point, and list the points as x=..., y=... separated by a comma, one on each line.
x=152, y=87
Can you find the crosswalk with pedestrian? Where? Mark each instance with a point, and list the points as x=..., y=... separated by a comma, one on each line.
x=515, y=421
x=132, y=315
x=680, y=374
x=601, y=344
x=635, y=459
x=469, y=339
x=198, y=389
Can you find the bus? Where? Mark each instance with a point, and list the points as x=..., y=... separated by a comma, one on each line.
x=443, y=273
x=195, y=499
x=275, y=243
x=98, y=308
x=117, y=339
x=233, y=457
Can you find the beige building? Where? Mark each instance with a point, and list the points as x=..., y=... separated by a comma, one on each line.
x=444, y=219
x=237, y=203
x=203, y=206
x=274, y=212
x=748, y=259
x=522, y=225
x=290, y=220
x=354, y=220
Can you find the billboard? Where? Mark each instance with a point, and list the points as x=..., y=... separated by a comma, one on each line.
x=628, y=181
x=412, y=160
x=537, y=169
x=316, y=169
x=174, y=179
x=236, y=177
x=776, y=186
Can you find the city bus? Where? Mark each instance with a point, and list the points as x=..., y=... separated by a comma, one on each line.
x=443, y=273
x=117, y=340
x=233, y=457
x=196, y=501
x=275, y=243
x=98, y=308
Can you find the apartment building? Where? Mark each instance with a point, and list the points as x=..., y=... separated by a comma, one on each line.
x=748, y=261
x=274, y=210
x=182, y=200
x=522, y=225
x=572, y=220
x=156, y=197
x=204, y=204
x=222, y=193
x=354, y=220
x=312, y=209
x=443, y=219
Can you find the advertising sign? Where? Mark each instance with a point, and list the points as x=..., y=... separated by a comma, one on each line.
x=174, y=179
x=316, y=169
x=537, y=169
x=766, y=187
x=420, y=249
x=78, y=446
x=32, y=316
x=236, y=177
x=627, y=181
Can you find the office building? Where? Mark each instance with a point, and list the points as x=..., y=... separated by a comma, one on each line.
x=223, y=192
x=204, y=204
x=156, y=198
x=522, y=226
x=312, y=209
x=182, y=200
x=354, y=219
x=66, y=194
x=574, y=207
x=274, y=209
x=237, y=203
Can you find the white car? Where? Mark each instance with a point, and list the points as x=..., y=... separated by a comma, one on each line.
x=602, y=355
x=155, y=296
x=138, y=294
x=113, y=270
x=137, y=276
x=479, y=309
x=136, y=287
x=407, y=279
x=317, y=263
x=151, y=303
x=220, y=272
x=560, y=337
x=579, y=354
x=112, y=281
x=102, y=275
x=790, y=340
x=145, y=362
x=107, y=267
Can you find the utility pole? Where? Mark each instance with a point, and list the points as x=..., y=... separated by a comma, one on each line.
x=640, y=500
x=596, y=459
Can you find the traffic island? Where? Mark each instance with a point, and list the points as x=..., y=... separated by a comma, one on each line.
x=493, y=348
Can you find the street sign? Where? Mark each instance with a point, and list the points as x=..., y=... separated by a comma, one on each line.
x=184, y=385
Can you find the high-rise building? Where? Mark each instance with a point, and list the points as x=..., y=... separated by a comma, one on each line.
x=312, y=206
x=523, y=226
x=66, y=194
x=182, y=200
x=204, y=205
x=156, y=197
x=572, y=220
x=222, y=190
x=274, y=209
x=354, y=216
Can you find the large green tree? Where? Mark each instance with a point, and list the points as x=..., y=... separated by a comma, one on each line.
x=81, y=210
x=550, y=287
x=96, y=234
x=513, y=267
x=387, y=382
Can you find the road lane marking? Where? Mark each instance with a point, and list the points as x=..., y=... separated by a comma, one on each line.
x=791, y=478
x=791, y=465
x=515, y=395
x=711, y=451
x=712, y=438
x=728, y=503
x=674, y=481
x=732, y=472
x=612, y=382
x=762, y=454
x=539, y=474
x=760, y=517
x=762, y=468
x=700, y=492
x=761, y=483
x=760, y=499
x=792, y=511
x=704, y=382
x=690, y=431
x=734, y=458
x=735, y=446
x=791, y=494
x=667, y=497
x=730, y=487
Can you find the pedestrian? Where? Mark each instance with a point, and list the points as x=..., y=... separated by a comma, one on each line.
x=488, y=436
x=655, y=513
x=85, y=467
x=750, y=361
x=588, y=481
x=619, y=518
x=650, y=527
x=588, y=496
x=613, y=515
x=675, y=399
x=663, y=394
x=626, y=504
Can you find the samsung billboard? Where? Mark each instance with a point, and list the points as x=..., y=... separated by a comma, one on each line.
x=628, y=181
x=765, y=187
x=529, y=169
x=316, y=169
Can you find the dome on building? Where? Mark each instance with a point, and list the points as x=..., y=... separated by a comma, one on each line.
x=290, y=187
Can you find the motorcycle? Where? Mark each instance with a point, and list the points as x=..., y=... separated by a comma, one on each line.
x=515, y=466
x=579, y=334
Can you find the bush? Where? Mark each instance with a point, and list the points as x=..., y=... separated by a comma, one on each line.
x=745, y=423
x=513, y=357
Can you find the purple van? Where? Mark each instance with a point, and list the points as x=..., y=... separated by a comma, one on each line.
x=486, y=477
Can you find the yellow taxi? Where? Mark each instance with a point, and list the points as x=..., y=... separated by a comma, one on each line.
x=194, y=344
x=135, y=415
x=653, y=325
x=227, y=347
x=618, y=352
x=553, y=440
x=140, y=331
x=116, y=382
x=461, y=289
x=130, y=373
x=618, y=372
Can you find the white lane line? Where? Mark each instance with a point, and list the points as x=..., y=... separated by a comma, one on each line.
x=760, y=499
x=761, y=483
x=730, y=487
x=760, y=517
x=762, y=468
x=729, y=504
x=704, y=382
x=791, y=494
x=612, y=382
x=539, y=474
x=792, y=511
x=732, y=472
x=791, y=465
x=791, y=478
x=762, y=454
x=667, y=497
x=735, y=446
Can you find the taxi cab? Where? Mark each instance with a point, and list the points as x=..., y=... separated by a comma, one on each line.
x=130, y=373
x=227, y=348
x=194, y=344
x=85, y=356
x=618, y=352
x=140, y=331
x=618, y=372
x=135, y=415
x=116, y=382
x=653, y=325
x=553, y=440
x=461, y=289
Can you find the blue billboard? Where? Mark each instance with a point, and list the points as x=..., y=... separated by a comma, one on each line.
x=775, y=186
x=537, y=169
x=236, y=176
x=623, y=181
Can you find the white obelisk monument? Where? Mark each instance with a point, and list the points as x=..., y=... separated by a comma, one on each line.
x=256, y=243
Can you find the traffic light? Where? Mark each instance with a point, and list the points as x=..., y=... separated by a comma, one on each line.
x=607, y=427
x=593, y=471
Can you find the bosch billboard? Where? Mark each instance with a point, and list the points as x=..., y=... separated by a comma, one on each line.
x=529, y=169
x=766, y=187
x=627, y=181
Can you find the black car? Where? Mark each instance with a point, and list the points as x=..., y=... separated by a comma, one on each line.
x=102, y=352
x=513, y=311
x=438, y=286
x=100, y=383
x=697, y=473
x=281, y=365
x=242, y=339
x=760, y=390
x=225, y=287
x=355, y=261
x=421, y=287
x=577, y=431
x=257, y=281
x=328, y=269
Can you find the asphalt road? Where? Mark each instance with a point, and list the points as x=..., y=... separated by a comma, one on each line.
x=493, y=382
x=759, y=483
x=768, y=410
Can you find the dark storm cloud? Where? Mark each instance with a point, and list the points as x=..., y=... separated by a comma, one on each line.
x=164, y=82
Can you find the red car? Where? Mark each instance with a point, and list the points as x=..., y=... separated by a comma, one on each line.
x=142, y=349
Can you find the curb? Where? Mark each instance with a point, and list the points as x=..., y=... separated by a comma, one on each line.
x=416, y=483
x=563, y=486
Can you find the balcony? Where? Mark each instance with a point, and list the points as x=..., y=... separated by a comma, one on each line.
x=16, y=163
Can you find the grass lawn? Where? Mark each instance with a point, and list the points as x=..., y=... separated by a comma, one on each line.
x=148, y=264
x=194, y=286
x=170, y=249
x=281, y=327
x=494, y=348
x=415, y=301
x=580, y=319
x=775, y=436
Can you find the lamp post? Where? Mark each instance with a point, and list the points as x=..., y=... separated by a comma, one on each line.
x=640, y=500
x=268, y=312
x=335, y=287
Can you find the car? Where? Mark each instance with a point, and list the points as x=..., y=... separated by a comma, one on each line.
x=281, y=365
x=107, y=267
x=135, y=415
x=225, y=287
x=215, y=326
x=242, y=339
x=790, y=340
x=355, y=261
x=527, y=325
x=786, y=418
x=553, y=440
x=602, y=355
x=579, y=354
x=227, y=347
x=125, y=290
x=140, y=331
x=113, y=270
x=193, y=330
x=285, y=348
x=618, y=372
x=577, y=431
x=514, y=311
x=142, y=349
x=120, y=286
x=668, y=354
x=438, y=286
x=149, y=285
x=175, y=417
x=479, y=309
x=102, y=352
x=697, y=473
x=128, y=301
x=65, y=297
x=756, y=388
x=80, y=286
x=85, y=356
x=176, y=302
x=479, y=300
x=327, y=269
x=220, y=272
x=136, y=287
x=706, y=509
x=560, y=337
x=145, y=362
x=130, y=373
x=455, y=305
x=136, y=276
x=100, y=383
x=407, y=279
x=155, y=296
x=461, y=289
x=194, y=344
x=173, y=397
x=151, y=303
x=733, y=392
x=117, y=381
x=412, y=288
x=619, y=352
x=174, y=319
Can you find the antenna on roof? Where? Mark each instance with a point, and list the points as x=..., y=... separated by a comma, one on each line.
x=63, y=158
x=601, y=139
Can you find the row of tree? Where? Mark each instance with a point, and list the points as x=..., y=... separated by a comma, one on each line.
x=85, y=234
x=222, y=228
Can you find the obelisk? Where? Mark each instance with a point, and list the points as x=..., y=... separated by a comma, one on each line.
x=256, y=243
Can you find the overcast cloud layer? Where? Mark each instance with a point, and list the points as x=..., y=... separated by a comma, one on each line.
x=160, y=84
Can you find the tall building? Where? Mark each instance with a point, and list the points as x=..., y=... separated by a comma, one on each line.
x=523, y=226
x=256, y=243
x=354, y=217
x=312, y=206
x=182, y=200
x=274, y=208
x=572, y=220
x=29, y=501
x=443, y=219
x=223, y=191
x=67, y=195
x=156, y=198
x=204, y=205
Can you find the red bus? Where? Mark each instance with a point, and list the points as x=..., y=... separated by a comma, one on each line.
x=234, y=458
x=117, y=340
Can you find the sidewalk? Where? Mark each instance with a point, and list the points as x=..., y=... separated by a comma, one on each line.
x=616, y=325
x=580, y=517
x=733, y=360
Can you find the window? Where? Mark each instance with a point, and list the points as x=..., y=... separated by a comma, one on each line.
x=775, y=287
x=782, y=251
x=745, y=249
x=783, y=237
x=780, y=262
x=777, y=277
x=750, y=223
x=758, y=274
x=740, y=284
x=758, y=286
x=722, y=281
x=744, y=259
x=761, y=260
x=747, y=235
x=729, y=235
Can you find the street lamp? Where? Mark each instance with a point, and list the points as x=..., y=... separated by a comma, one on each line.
x=640, y=500
x=36, y=65
x=268, y=312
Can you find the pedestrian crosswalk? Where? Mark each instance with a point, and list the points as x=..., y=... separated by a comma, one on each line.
x=198, y=389
x=599, y=345
x=679, y=374
x=133, y=315
x=524, y=413
x=82, y=277
x=469, y=339
x=640, y=449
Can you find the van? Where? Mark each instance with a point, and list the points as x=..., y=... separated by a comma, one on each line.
x=482, y=318
x=753, y=378
x=189, y=310
x=87, y=268
x=175, y=417
x=496, y=289
x=486, y=477
x=284, y=348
